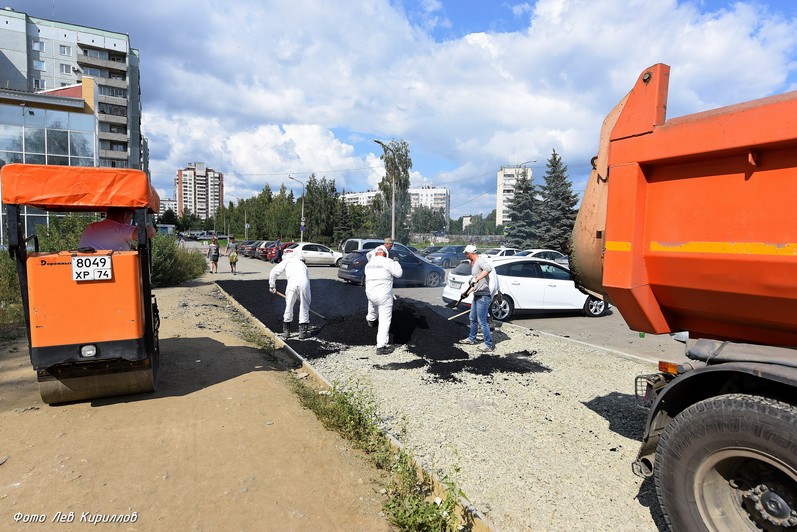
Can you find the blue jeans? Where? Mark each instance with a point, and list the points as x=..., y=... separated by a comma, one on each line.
x=478, y=314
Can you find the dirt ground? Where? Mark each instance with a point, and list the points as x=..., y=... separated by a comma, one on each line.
x=222, y=445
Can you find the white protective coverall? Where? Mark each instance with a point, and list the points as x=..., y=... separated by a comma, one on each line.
x=379, y=274
x=298, y=285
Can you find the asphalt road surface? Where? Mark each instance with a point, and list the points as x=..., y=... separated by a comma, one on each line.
x=607, y=332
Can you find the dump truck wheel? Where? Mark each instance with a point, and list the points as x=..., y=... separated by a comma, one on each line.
x=729, y=463
x=91, y=381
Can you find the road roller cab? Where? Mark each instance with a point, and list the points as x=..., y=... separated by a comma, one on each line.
x=91, y=318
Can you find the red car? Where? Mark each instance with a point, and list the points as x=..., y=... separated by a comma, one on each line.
x=271, y=250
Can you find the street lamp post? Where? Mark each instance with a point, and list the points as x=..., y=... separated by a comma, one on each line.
x=385, y=147
x=301, y=229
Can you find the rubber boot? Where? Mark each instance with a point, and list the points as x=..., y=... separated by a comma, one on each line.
x=286, y=329
x=304, y=331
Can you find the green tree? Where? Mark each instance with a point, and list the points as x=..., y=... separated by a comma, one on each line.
x=169, y=217
x=557, y=210
x=398, y=163
x=520, y=231
x=426, y=219
x=63, y=232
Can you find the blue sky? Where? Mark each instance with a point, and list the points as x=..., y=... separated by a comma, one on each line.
x=263, y=89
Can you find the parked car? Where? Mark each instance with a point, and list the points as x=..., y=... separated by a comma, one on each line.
x=248, y=250
x=429, y=249
x=315, y=254
x=527, y=284
x=353, y=244
x=547, y=254
x=500, y=252
x=272, y=250
x=447, y=256
x=262, y=249
x=416, y=270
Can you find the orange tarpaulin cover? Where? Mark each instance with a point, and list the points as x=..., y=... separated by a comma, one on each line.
x=77, y=188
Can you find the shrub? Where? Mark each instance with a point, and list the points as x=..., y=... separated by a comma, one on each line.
x=11, y=315
x=172, y=265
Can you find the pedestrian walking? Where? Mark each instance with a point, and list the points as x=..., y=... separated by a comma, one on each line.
x=213, y=255
x=379, y=274
x=277, y=251
x=298, y=287
x=480, y=270
x=232, y=254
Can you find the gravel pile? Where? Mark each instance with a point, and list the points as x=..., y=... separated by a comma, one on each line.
x=543, y=430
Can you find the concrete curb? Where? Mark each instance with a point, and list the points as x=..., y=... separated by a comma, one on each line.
x=474, y=519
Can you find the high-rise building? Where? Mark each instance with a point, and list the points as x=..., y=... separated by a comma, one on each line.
x=42, y=55
x=438, y=198
x=199, y=190
x=505, y=192
x=166, y=205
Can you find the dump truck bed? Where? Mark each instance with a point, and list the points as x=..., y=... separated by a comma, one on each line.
x=688, y=224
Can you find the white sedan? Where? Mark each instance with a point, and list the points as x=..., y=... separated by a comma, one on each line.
x=527, y=284
x=315, y=254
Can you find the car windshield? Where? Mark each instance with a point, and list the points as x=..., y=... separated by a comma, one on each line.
x=451, y=249
x=464, y=268
x=493, y=251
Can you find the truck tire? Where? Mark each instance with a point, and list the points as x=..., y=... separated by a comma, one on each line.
x=729, y=463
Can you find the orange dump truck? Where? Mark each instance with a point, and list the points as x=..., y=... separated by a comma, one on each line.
x=91, y=319
x=688, y=224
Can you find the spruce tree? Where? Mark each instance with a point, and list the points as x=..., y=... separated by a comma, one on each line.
x=519, y=229
x=557, y=210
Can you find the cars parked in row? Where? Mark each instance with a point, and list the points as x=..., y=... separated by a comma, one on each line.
x=271, y=250
x=428, y=249
x=416, y=270
x=547, y=254
x=499, y=252
x=315, y=254
x=527, y=284
x=447, y=256
x=248, y=248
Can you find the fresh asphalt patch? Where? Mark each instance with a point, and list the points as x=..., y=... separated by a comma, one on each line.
x=415, y=326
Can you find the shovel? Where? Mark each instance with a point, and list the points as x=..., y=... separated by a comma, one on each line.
x=461, y=297
x=336, y=320
x=458, y=315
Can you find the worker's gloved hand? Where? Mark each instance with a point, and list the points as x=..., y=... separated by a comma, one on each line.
x=272, y=289
x=395, y=259
x=472, y=281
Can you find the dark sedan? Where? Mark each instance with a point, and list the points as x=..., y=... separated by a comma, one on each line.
x=417, y=270
x=447, y=256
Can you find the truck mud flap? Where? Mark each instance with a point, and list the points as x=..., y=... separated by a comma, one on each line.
x=78, y=382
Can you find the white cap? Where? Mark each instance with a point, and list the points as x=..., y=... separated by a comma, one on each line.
x=382, y=249
x=470, y=249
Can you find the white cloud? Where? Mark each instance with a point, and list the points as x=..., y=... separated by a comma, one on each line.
x=259, y=89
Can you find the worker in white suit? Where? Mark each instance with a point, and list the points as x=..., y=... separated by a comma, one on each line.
x=298, y=287
x=379, y=274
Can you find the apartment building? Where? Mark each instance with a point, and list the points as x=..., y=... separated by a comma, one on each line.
x=168, y=204
x=505, y=191
x=428, y=196
x=199, y=190
x=42, y=55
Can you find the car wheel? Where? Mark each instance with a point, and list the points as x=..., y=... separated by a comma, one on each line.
x=337, y=263
x=432, y=280
x=725, y=464
x=502, y=309
x=594, y=307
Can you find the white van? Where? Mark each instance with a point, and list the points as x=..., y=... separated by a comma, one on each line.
x=361, y=243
